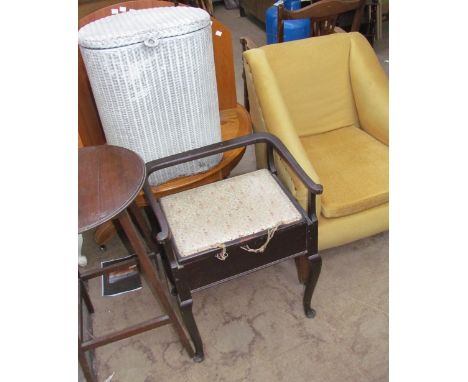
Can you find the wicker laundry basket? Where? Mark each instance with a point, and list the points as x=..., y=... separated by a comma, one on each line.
x=153, y=78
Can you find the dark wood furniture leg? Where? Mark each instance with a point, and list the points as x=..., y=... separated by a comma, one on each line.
x=142, y=225
x=85, y=366
x=183, y=295
x=184, y=299
x=83, y=361
x=241, y=11
x=302, y=267
x=315, y=264
x=149, y=273
x=121, y=235
x=85, y=296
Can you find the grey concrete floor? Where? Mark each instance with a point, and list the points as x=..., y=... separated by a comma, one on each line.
x=254, y=328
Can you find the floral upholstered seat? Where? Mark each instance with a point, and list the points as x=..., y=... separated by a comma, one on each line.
x=209, y=216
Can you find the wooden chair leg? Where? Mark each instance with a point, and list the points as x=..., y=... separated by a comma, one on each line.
x=303, y=268
x=149, y=272
x=315, y=264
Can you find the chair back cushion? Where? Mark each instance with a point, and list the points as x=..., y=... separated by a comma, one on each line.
x=312, y=77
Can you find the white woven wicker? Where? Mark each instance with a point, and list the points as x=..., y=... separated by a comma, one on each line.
x=153, y=78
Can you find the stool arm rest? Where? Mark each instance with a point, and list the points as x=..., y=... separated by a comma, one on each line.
x=165, y=234
x=312, y=187
x=275, y=143
x=217, y=148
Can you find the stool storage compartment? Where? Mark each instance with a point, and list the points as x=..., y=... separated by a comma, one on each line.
x=153, y=78
x=248, y=210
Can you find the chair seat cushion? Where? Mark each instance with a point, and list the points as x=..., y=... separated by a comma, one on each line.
x=208, y=216
x=353, y=169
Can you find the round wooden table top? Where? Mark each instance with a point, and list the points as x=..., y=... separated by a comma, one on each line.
x=109, y=179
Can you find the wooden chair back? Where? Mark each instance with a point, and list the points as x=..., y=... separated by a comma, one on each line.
x=323, y=16
x=89, y=125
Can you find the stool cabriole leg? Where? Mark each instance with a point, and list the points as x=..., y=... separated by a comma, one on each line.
x=302, y=267
x=189, y=321
x=313, y=259
x=315, y=263
x=149, y=272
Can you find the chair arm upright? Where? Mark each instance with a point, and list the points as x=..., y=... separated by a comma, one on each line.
x=165, y=234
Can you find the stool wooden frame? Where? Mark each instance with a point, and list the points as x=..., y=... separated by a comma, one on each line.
x=297, y=240
x=100, y=169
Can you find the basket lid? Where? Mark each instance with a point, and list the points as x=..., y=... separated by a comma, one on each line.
x=143, y=25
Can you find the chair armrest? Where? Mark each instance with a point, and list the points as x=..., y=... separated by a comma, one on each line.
x=285, y=154
x=231, y=144
x=165, y=234
x=370, y=88
x=273, y=143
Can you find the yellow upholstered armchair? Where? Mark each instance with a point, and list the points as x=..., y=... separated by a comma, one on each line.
x=326, y=98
